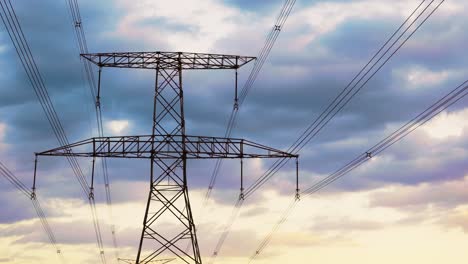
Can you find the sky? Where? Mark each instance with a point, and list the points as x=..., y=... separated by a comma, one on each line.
x=407, y=205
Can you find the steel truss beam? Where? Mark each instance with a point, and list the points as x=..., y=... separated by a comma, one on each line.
x=167, y=147
x=168, y=60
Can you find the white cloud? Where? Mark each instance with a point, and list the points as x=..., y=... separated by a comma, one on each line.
x=327, y=16
x=117, y=127
x=447, y=125
x=448, y=194
x=420, y=77
x=2, y=136
x=184, y=25
x=2, y=131
x=423, y=77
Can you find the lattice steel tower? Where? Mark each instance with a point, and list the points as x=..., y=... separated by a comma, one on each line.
x=168, y=148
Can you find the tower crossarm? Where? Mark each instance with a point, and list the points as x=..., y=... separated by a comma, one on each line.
x=167, y=60
x=167, y=147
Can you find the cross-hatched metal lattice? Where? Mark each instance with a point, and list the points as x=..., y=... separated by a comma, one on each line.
x=168, y=148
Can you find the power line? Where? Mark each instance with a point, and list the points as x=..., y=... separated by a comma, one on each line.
x=348, y=92
x=436, y=108
x=14, y=180
x=95, y=97
x=20, y=186
x=13, y=27
x=27, y=60
x=227, y=228
x=278, y=224
x=263, y=55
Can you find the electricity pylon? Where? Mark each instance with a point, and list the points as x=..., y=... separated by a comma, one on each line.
x=168, y=220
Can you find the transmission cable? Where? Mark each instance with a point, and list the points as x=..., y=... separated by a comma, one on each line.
x=75, y=15
x=258, y=65
x=264, y=52
x=28, y=62
x=436, y=108
x=20, y=186
x=347, y=94
x=226, y=229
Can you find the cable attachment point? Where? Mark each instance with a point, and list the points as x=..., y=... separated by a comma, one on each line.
x=78, y=24
x=369, y=155
x=242, y=195
x=98, y=96
x=277, y=28
x=33, y=194
x=91, y=193
x=298, y=195
x=236, y=96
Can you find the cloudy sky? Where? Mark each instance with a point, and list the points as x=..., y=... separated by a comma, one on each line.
x=408, y=205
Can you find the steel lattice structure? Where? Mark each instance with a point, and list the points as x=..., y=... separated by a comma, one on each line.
x=157, y=261
x=168, y=148
x=168, y=60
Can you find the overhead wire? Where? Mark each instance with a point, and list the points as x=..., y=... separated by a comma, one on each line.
x=226, y=229
x=75, y=14
x=16, y=34
x=27, y=60
x=17, y=183
x=269, y=43
x=421, y=119
x=258, y=65
x=349, y=91
x=428, y=114
x=283, y=218
x=20, y=186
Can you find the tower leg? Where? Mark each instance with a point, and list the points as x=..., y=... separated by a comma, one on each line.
x=168, y=221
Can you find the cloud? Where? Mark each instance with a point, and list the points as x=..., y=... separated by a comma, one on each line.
x=345, y=225
x=447, y=125
x=117, y=127
x=419, y=77
x=11, y=202
x=205, y=27
x=322, y=46
x=447, y=194
x=456, y=219
x=3, y=146
x=256, y=6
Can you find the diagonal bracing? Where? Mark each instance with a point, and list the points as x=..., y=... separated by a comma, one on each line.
x=168, y=220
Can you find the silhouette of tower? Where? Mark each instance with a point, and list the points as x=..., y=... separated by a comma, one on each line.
x=168, y=148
